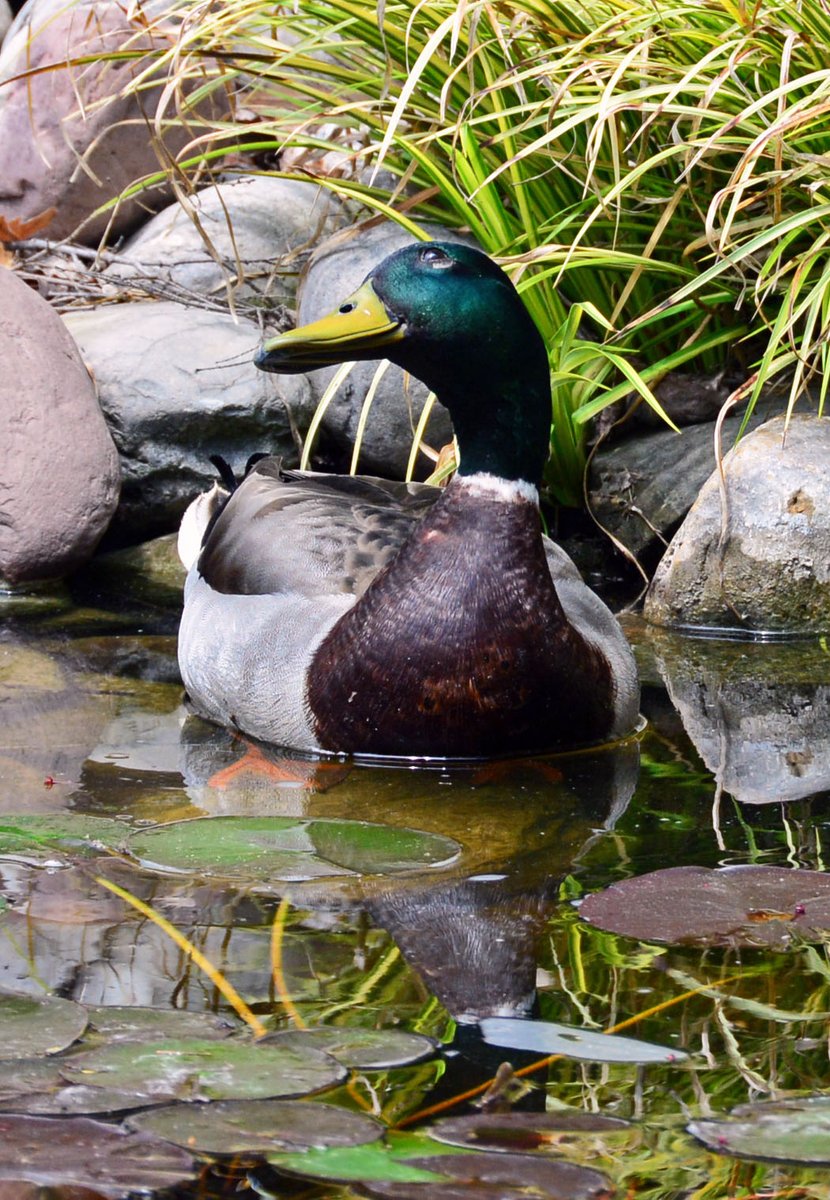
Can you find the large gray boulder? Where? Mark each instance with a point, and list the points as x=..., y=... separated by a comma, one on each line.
x=338, y=267
x=70, y=138
x=178, y=384
x=249, y=232
x=59, y=474
x=754, y=554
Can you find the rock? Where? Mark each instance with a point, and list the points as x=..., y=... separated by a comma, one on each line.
x=178, y=384
x=768, y=569
x=758, y=714
x=267, y=222
x=59, y=473
x=338, y=267
x=70, y=139
x=643, y=487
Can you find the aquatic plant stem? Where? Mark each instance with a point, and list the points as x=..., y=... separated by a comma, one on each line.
x=550, y=1058
x=204, y=964
x=277, y=930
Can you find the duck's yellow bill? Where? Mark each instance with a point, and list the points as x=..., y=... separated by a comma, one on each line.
x=360, y=328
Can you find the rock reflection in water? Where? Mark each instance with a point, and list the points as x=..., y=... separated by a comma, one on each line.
x=757, y=713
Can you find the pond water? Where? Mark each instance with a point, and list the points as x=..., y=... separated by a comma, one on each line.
x=322, y=919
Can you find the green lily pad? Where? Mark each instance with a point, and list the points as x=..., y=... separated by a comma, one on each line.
x=38, y=1086
x=32, y=832
x=587, y=1045
x=265, y=849
x=192, y=1069
x=124, y=1023
x=385, y=1161
x=525, y=1132
x=30, y=1025
x=360, y=1049
x=54, y=1151
x=734, y=906
x=792, y=1131
x=257, y=1126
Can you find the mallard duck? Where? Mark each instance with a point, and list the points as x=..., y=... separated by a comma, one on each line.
x=359, y=616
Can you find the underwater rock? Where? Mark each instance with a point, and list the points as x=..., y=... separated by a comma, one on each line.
x=257, y=223
x=177, y=385
x=58, y=465
x=338, y=267
x=49, y=722
x=70, y=138
x=755, y=555
x=758, y=714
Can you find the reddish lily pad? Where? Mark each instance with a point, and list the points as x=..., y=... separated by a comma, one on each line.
x=191, y=1069
x=525, y=1132
x=587, y=1045
x=33, y=1025
x=792, y=1131
x=734, y=906
x=360, y=1049
x=257, y=1126
x=54, y=1151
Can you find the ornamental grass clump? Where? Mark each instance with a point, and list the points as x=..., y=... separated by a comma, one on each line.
x=654, y=175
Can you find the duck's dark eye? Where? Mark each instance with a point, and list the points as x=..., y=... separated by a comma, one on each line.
x=434, y=257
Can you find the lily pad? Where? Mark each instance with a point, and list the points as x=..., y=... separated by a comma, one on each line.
x=588, y=1045
x=38, y=1086
x=265, y=849
x=525, y=1132
x=382, y=1161
x=191, y=1069
x=125, y=1023
x=360, y=1049
x=30, y=1025
x=89, y=1154
x=794, y=1131
x=735, y=906
x=257, y=1126
x=508, y=1176
x=27, y=832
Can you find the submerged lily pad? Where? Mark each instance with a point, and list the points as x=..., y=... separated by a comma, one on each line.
x=193, y=1069
x=746, y=906
x=257, y=1126
x=264, y=849
x=124, y=1023
x=383, y=1161
x=525, y=1132
x=360, y=1049
x=89, y=1154
x=27, y=832
x=588, y=1045
x=796, y=1131
x=30, y=1025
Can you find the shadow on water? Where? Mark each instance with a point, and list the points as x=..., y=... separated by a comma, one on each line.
x=731, y=769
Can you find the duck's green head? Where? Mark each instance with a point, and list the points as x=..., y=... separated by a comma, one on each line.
x=451, y=317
